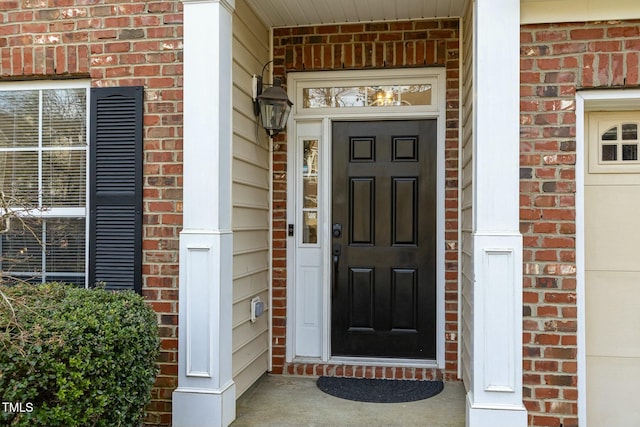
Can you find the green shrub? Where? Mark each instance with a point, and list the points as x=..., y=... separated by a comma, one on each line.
x=78, y=357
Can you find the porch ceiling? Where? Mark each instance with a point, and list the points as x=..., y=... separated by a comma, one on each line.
x=289, y=13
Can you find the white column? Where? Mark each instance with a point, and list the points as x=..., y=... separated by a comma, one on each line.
x=205, y=396
x=495, y=395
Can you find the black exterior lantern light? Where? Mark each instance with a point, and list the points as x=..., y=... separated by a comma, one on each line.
x=272, y=105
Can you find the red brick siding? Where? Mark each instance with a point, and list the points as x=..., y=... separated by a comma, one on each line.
x=118, y=43
x=353, y=47
x=557, y=60
x=363, y=371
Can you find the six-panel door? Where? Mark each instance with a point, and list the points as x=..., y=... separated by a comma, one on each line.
x=384, y=239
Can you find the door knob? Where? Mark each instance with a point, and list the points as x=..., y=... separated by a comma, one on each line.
x=337, y=230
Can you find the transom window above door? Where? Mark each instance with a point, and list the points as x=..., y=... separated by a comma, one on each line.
x=369, y=92
x=367, y=96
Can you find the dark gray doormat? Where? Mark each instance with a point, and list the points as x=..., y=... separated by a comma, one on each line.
x=379, y=391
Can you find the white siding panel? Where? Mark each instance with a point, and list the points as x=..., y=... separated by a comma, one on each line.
x=249, y=286
x=252, y=373
x=249, y=29
x=250, y=362
x=250, y=240
x=250, y=174
x=244, y=330
x=244, y=127
x=250, y=204
x=246, y=149
x=249, y=263
x=244, y=106
x=249, y=218
x=245, y=195
x=466, y=217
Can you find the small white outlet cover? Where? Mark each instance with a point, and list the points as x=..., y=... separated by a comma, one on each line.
x=255, y=311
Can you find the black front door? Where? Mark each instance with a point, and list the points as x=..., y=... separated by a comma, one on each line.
x=384, y=239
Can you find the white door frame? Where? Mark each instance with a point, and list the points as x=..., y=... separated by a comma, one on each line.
x=322, y=118
x=587, y=101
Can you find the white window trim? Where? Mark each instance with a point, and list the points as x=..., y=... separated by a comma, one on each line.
x=589, y=101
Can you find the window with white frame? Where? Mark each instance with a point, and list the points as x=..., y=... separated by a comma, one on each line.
x=43, y=153
x=619, y=143
x=367, y=96
x=71, y=184
x=613, y=142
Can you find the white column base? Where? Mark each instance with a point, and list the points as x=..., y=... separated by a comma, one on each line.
x=494, y=415
x=204, y=408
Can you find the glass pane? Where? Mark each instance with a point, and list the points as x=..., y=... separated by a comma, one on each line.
x=64, y=178
x=64, y=117
x=609, y=152
x=310, y=174
x=19, y=117
x=310, y=157
x=310, y=227
x=611, y=134
x=383, y=96
x=629, y=152
x=317, y=97
x=19, y=177
x=629, y=131
x=369, y=96
x=310, y=191
x=65, y=250
x=415, y=95
x=21, y=248
x=350, y=96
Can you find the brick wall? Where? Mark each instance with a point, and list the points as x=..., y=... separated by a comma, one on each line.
x=139, y=43
x=353, y=47
x=119, y=43
x=557, y=60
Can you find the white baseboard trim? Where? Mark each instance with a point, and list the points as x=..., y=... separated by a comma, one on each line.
x=498, y=415
x=204, y=407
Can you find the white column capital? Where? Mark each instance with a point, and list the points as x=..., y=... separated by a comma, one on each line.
x=230, y=5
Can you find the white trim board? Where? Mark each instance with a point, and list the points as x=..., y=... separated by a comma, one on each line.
x=320, y=120
x=589, y=101
x=550, y=11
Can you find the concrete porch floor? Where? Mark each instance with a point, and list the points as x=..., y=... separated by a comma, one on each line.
x=283, y=401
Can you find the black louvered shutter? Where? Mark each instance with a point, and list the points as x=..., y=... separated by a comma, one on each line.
x=115, y=196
